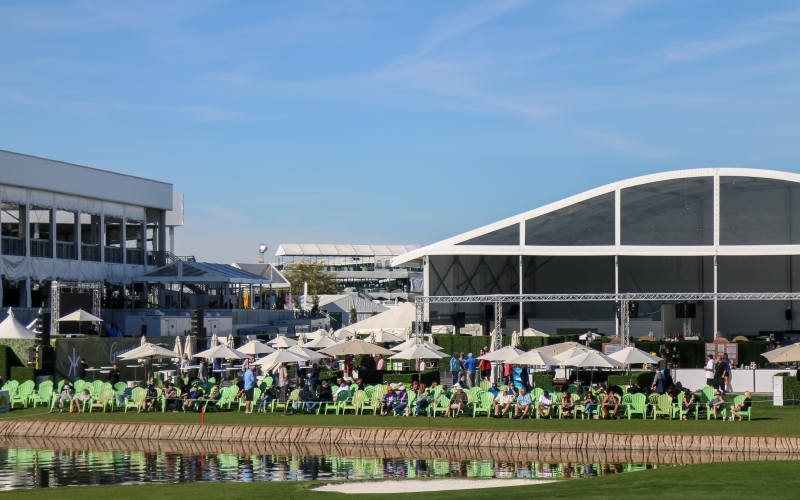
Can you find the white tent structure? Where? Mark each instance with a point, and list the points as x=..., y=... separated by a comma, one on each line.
x=383, y=337
x=502, y=355
x=395, y=320
x=530, y=332
x=221, y=352
x=412, y=342
x=321, y=343
x=282, y=342
x=11, y=328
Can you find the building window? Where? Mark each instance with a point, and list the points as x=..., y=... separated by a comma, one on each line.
x=675, y=212
x=505, y=236
x=756, y=211
x=589, y=222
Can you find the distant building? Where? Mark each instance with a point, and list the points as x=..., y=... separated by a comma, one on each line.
x=360, y=268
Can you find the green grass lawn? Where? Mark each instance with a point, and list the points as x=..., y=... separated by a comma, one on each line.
x=750, y=480
x=768, y=421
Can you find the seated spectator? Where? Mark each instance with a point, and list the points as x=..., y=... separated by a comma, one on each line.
x=686, y=403
x=171, y=398
x=458, y=402
x=743, y=406
x=590, y=404
x=305, y=401
x=77, y=403
x=545, y=405
x=388, y=401
x=193, y=398
x=610, y=404
x=151, y=398
x=567, y=403
x=125, y=394
x=344, y=389
x=423, y=402
x=493, y=390
x=360, y=384
x=716, y=403
x=401, y=403
x=523, y=404
x=502, y=403
x=414, y=386
x=325, y=395
x=578, y=392
x=240, y=386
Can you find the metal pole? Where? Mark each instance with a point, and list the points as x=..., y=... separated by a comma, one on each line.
x=625, y=322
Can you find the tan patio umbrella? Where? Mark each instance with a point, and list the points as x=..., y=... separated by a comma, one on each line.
x=301, y=339
x=306, y=353
x=788, y=354
x=515, y=339
x=408, y=344
x=321, y=343
x=502, y=355
x=355, y=347
x=221, y=352
x=255, y=348
x=80, y=316
x=282, y=342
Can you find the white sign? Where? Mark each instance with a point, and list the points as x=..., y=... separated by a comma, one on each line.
x=5, y=402
x=777, y=391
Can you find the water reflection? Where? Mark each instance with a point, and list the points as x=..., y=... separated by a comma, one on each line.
x=27, y=468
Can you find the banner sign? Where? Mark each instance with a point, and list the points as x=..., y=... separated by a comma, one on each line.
x=99, y=352
x=5, y=401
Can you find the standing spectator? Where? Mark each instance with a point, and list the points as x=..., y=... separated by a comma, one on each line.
x=381, y=364
x=113, y=331
x=660, y=382
x=471, y=365
x=709, y=369
x=485, y=365
x=719, y=375
x=80, y=370
x=313, y=376
x=249, y=386
x=727, y=376
x=455, y=368
x=202, y=371
x=113, y=375
x=283, y=380
x=217, y=370
x=348, y=366
x=502, y=402
x=185, y=364
x=508, y=374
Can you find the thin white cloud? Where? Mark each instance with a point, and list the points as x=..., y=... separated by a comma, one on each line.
x=621, y=143
x=690, y=51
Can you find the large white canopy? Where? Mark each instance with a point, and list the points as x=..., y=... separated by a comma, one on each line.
x=11, y=328
x=355, y=347
x=396, y=320
x=634, y=356
x=418, y=352
x=148, y=350
x=221, y=352
x=255, y=347
x=502, y=354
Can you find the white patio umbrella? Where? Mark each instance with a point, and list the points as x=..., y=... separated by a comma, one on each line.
x=178, y=349
x=214, y=340
x=556, y=349
x=306, y=353
x=533, y=358
x=502, y=355
x=143, y=340
x=316, y=334
x=255, y=348
x=282, y=342
x=320, y=343
x=589, y=336
x=221, y=352
x=530, y=332
x=230, y=342
x=384, y=337
x=147, y=350
x=419, y=352
x=633, y=356
x=355, y=347
x=80, y=316
x=11, y=328
x=569, y=353
x=594, y=359
x=515, y=339
x=344, y=334
x=189, y=347
x=279, y=357
x=412, y=342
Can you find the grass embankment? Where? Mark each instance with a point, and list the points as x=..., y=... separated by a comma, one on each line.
x=767, y=421
x=751, y=480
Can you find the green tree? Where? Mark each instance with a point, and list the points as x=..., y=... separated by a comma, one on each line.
x=320, y=281
x=315, y=303
x=353, y=315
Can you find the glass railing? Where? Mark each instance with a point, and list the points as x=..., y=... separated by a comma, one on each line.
x=13, y=246
x=66, y=250
x=113, y=255
x=41, y=248
x=90, y=253
x=156, y=258
x=133, y=256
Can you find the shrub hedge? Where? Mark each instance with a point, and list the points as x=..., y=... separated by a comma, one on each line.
x=542, y=379
x=640, y=378
x=22, y=374
x=426, y=377
x=791, y=387
x=8, y=360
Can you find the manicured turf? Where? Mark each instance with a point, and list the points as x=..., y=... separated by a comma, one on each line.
x=768, y=421
x=750, y=480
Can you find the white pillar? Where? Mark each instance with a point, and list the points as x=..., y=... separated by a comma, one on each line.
x=716, y=246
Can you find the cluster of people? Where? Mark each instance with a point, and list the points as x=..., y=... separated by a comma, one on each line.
x=468, y=370
x=718, y=373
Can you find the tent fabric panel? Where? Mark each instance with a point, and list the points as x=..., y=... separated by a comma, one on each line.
x=589, y=223
x=67, y=203
x=134, y=213
x=508, y=235
x=363, y=250
x=16, y=195
x=42, y=199
x=111, y=209
x=666, y=274
x=91, y=206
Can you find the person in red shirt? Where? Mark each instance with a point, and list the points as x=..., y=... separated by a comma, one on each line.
x=485, y=366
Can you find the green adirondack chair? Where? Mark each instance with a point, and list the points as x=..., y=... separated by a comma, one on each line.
x=483, y=404
x=120, y=387
x=44, y=395
x=637, y=406
x=103, y=400
x=285, y=405
x=372, y=402
x=21, y=396
x=663, y=406
x=439, y=406
x=354, y=403
x=137, y=398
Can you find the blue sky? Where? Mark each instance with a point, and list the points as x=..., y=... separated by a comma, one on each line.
x=394, y=122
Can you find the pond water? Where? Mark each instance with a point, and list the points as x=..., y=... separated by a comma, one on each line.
x=47, y=468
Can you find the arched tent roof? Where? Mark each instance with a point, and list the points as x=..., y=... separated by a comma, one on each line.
x=613, y=219
x=11, y=328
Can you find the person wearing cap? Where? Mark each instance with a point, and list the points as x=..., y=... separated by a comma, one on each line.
x=455, y=368
x=458, y=402
x=388, y=401
x=523, y=404
x=249, y=388
x=471, y=365
x=502, y=402
x=401, y=403
x=545, y=405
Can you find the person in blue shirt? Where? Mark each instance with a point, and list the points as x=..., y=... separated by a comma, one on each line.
x=113, y=331
x=523, y=404
x=249, y=386
x=494, y=390
x=455, y=368
x=471, y=365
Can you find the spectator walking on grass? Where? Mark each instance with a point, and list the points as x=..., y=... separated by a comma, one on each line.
x=455, y=368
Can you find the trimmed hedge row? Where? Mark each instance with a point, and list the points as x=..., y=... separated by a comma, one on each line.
x=22, y=374
x=542, y=379
x=791, y=387
x=426, y=377
x=9, y=360
x=640, y=378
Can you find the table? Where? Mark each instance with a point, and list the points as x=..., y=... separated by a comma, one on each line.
x=167, y=374
x=93, y=370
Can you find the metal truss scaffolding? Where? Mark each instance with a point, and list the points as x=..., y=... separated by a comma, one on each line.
x=55, y=299
x=623, y=298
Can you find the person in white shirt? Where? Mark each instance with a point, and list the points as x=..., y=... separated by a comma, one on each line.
x=545, y=405
x=502, y=401
x=709, y=368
